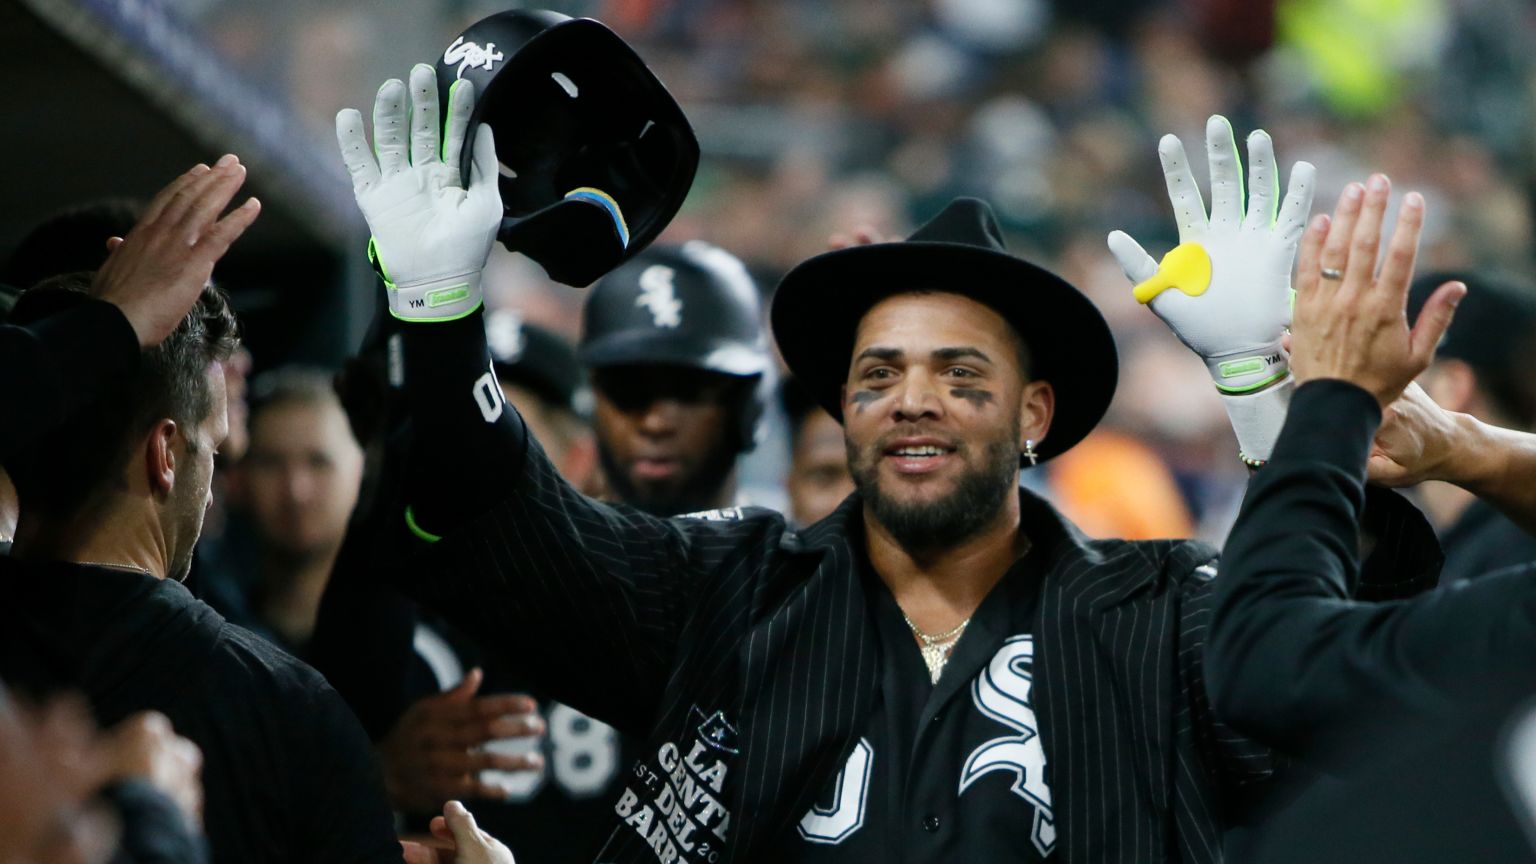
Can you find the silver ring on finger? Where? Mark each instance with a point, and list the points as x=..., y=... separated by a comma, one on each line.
x=1331, y=273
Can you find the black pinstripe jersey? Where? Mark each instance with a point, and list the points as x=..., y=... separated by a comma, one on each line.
x=746, y=657
x=950, y=771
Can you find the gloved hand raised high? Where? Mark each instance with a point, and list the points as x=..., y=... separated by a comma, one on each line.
x=1225, y=289
x=431, y=233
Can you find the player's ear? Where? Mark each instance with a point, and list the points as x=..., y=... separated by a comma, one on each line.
x=1037, y=405
x=158, y=451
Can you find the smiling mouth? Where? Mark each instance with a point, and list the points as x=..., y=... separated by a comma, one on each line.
x=919, y=452
x=917, y=458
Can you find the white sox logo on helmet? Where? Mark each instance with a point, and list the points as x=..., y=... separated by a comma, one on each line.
x=470, y=54
x=657, y=295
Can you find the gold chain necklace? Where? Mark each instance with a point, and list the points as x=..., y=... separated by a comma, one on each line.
x=935, y=649
x=132, y=567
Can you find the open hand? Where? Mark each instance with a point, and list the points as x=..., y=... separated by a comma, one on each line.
x=1349, y=322
x=434, y=753
x=158, y=271
x=432, y=229
x=1225, y=290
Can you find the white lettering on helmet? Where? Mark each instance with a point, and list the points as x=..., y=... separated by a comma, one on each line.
x=471, y=55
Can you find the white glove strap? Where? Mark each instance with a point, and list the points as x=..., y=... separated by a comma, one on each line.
x=1257, y=417
x=1248, y=371
x=442, y=298
x=445, y=299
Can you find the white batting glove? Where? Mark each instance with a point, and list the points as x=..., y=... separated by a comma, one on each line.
x=431, y=234
x=1225, y=290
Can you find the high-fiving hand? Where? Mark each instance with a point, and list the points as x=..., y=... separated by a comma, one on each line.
x=1224, y=290
x=159, y=270
x=1350, y=322
x=431, y=232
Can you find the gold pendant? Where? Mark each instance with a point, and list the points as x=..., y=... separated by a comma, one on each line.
x=935, y=656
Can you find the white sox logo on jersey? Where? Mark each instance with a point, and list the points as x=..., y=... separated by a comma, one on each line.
x=1002, y=692
x=470, y=54
x=657, y=295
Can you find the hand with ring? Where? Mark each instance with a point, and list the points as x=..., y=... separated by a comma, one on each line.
x=1350, y=323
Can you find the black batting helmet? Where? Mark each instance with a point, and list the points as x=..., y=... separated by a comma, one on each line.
x=595, y=155
x=693, y=305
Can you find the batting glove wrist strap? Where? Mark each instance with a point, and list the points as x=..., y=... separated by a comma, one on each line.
x=1257, y=417
x=443, y=298
x=1248, y=371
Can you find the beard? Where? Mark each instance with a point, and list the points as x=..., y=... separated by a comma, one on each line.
x=979, y=495
x=691, y=493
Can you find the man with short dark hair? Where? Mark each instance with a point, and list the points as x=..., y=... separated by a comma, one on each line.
x=111, y=507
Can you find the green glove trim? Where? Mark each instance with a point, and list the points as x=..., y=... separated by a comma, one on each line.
x=442, y=145
x=1246, y=366
x=424, y=534
x=443, y=296
x=378, y=263
x=1237, y=391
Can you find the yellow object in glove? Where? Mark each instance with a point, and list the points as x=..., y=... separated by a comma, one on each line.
x=1186, y=267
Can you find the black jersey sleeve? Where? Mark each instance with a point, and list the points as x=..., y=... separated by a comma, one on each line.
x=592, y=597
x=53, y=367
x=1293, y=659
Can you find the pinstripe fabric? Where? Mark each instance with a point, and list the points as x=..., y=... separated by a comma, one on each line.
x=650, y=624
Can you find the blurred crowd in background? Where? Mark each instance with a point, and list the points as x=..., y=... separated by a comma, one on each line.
x=818, y=118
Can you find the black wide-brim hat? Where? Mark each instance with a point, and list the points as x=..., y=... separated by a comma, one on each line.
x=818, y=305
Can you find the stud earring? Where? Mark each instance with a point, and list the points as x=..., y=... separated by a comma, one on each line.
x=1029, y=453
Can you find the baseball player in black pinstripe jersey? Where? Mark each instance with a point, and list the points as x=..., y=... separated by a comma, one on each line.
x=942, y=670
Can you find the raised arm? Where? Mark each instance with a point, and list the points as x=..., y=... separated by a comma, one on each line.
x=590, y=598
x=1224, y=291
x=53, y=365
x=1290, y=659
